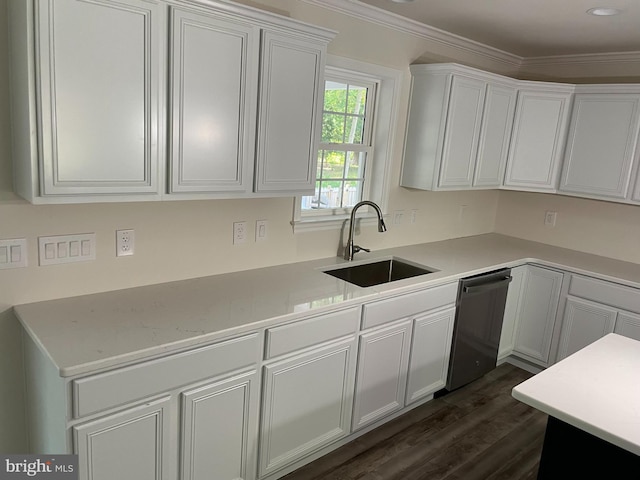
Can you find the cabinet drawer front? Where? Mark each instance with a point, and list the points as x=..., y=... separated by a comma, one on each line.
x=625, y=298
x=295, y=336
x=110, y=389
x=384, y=311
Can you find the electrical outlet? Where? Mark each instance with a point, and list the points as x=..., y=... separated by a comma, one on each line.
x=125, y=242
x=550, y=219
x=239, y=232
x=414, y=216
x=398, y=216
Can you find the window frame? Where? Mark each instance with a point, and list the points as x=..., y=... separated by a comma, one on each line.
x=388, y=83
x=339, y=75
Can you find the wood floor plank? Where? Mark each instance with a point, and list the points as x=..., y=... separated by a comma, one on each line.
x=478, y=432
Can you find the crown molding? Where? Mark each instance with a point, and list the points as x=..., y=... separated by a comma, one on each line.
x=393, y=21
x=363, y=11
x=583, y=59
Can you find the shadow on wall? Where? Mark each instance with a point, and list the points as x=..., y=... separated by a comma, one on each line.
x=13, y=437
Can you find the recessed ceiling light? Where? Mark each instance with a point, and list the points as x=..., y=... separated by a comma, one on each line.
x=604, y=11
x=402, y=1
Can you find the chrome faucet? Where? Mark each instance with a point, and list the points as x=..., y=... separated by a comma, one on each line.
x=350, y=249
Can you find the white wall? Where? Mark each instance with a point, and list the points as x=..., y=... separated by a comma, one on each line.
x=602, y=228
x=202, y=229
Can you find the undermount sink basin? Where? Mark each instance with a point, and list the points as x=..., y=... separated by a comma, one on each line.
x=379, y=272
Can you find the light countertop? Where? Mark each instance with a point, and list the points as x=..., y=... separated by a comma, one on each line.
x=89, y=333
x=597, y=389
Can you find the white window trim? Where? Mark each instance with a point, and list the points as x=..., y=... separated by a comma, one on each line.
x=384, y=128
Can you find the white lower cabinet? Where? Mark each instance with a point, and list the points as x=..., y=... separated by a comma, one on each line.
x=218, y=429
x=628, y=324
x=583, y=323
x=595, y=308
x=514, y=294
x=530, y=314
x=131, y=444
x=383, y=359
x=430, y=349
x=306, y=403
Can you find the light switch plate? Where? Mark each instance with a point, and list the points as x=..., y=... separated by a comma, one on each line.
x=13, y=253
x=67, y=248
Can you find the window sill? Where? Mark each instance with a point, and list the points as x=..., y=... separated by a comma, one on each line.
x=332, y=222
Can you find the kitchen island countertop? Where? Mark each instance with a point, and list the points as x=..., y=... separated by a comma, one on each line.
x=90, y=333
x=596, y=390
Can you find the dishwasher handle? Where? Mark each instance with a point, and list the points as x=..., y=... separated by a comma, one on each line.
x=487, y=286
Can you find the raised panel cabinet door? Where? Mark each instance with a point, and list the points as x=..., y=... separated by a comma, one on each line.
x=497, y=121
x=461, y=132
x=99, y=73
x=601, y=145
x=132, y=444
x=512, y=305
x=628, y=324
x=584, y=323
x=291, y=93
x=430, y=349
x=381, y=379
x=306, y=404
x=537, y=313
x=535, y=151
x=219, y=424
x=214, y=68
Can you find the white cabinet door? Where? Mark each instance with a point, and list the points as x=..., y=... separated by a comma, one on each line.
x=131, y=444
x=306, y=404
x=99, y=73
x=214, y=69
x=497, y=121
x=219, y=425
x=628, y=324
x=381, y=381
x=512, y=306
x=537, y=314
x=537, y=140
x=601, y=145
x=291, y=95
x=462, y=132
x=430, y=349
x=584, y=323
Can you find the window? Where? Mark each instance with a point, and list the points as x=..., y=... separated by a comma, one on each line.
x=347, y=119
x=359, y=110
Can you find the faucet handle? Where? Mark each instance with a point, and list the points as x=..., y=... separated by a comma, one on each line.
x=358, y=248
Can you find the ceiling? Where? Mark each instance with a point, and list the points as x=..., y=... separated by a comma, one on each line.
x=529, y=28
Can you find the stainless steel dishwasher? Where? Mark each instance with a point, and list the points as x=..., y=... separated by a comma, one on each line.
x=477, y=326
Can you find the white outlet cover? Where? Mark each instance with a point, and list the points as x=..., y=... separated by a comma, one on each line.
x=239, y=232
x=125, y=243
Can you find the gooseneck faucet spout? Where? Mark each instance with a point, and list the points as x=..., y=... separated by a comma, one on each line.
x=350, y=249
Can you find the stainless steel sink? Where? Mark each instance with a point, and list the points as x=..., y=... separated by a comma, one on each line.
x=379, y=272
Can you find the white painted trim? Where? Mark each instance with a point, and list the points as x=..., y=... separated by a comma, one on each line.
x=396, y=22
x=379, y=16
x=583, y=59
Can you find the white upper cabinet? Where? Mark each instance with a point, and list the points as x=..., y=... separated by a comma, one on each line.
x=462, y=132
x=537, y=139
x=99, y=69
x=213, y=108
x=499, y=107
x=291, y=96
x=458, y=128
x=602, y=141
x=243, y=90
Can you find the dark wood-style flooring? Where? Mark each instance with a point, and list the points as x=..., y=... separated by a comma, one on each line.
x=478, y=432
